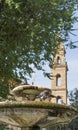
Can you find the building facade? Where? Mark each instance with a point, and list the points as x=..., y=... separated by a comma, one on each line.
x=59, y=76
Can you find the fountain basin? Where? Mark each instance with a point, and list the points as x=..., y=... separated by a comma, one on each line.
x=42, y=114
x=26, y=111
x=28, y=92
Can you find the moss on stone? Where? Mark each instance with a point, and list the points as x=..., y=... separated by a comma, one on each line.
x=41, y=105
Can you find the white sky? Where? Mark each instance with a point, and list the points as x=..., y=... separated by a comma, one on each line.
x=72, y=61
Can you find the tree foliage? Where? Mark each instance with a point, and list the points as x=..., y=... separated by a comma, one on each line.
x=28, y=30
x=73, y=97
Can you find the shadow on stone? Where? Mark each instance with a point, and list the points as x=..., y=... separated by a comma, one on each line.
x=35, y=127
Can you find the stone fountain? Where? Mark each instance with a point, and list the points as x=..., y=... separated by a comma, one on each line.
x=33, y=109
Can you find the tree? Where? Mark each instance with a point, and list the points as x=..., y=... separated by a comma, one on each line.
x=28, y=34
x=73, y=97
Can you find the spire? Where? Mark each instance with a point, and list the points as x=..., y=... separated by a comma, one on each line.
x=61, y=47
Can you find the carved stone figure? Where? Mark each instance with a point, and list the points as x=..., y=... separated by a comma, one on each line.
x=44, y=95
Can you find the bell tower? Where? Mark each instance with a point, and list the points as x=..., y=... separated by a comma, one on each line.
x=59, y=78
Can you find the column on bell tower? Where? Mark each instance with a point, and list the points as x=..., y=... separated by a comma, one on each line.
x=59, y=76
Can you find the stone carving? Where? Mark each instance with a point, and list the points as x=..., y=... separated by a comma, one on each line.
x=31, y=93
x=44, y=95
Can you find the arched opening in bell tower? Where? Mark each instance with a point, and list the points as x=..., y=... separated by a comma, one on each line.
x=59, y=70
x=58, y=60
x=59, y=100
x=58, y=80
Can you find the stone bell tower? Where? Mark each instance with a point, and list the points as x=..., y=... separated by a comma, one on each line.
x=59, y=78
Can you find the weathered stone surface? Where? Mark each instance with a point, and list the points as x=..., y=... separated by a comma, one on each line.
x=29, y=92
x=36, y=113
x=59, y=76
